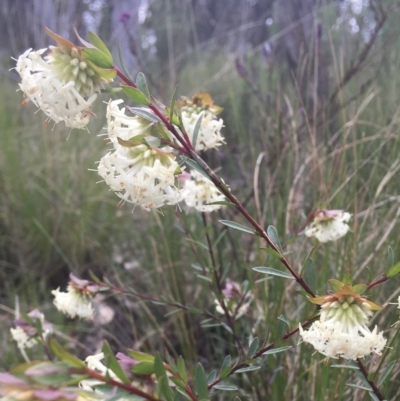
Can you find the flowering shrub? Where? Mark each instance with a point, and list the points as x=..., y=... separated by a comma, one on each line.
x=155, y=161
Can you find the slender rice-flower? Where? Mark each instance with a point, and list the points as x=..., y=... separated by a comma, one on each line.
x=63, y=83
x=138, y=173
x=26, y=331
x=232, y=297
x=328, y=225
x=209, y=135
x=342, y=329
x=199, y=192
x=77, y=301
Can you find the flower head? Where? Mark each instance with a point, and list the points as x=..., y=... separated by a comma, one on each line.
x=77, y=301
x=199, y=192
x=63, y=83
x=342, y=329
x=139, y=173
x=26, y=331
x=234, y=299
x=209, y=134
x=328, y=225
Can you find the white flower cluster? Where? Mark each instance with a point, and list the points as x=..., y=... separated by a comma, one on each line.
x=329, y=225
x=62, y=85
x=25, y=333
x=342, y=329
x=199, y=192
x=73, y=303
x=138, y=173
x=209, y=134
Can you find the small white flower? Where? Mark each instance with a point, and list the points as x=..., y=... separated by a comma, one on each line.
x=61, y=84
x=209, y=135
x=77, y=301
x=199, y=191
x=342, y=329
x=119, y=125
x=328, y=225
x=25, y=333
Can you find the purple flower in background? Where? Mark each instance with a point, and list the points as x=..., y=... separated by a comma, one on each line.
x=125, y=17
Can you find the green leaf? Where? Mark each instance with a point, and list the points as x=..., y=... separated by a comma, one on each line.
x=225, y=372
x=387, y=372
x=237, y=226
x=374, y=396
x=336, y=285
x=282, y=319
x=225, y=387
x=277, y=350
x=309, y=274
x=394, y=270
x=360, y=288
x=172, y=104
x=211, y=377
x=200, y=382
x=97, y=42
x=135, y=94
x=358, y=386
x=143, y=368
x=248, y=369
x=196, y=130
x=390, y=257
x=305, y=261
x=145, y=113
x=122, y=62
x=49, y=373
x=64, y=355
x=112, y=363
x=272, y=252
x=273, y=272
x=192, y=164
x=182, y=392
x=182, y=369
x=227, y=362
x=253, y=347
x=273, y=235
x=347, y=278
x=345, y=367
x=142, y=84
x=97, y=57
x=163, y=385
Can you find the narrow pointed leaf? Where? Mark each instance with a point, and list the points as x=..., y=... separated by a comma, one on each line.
x=192, y=164
x=390, y=257
x=237, y=226
x=248, y=369
x=196, y=131
x=253, y=347
x=99, y=44
x=182, y=369
x=112, y=363
x=387, y=372
x=358, y=386
x=394, y=270
x=360, y=288
x=97, y=57
x=225, y=387
x=345, y=367
x=145, y=113
x=211, y=377
x=200, y=382
x=64, y=355
x=143, y=368
x=273, y=272
x=142, y=84
x=272, y=252
x=273, y=235
x=161, y=374
x=277, y=350
x=172, y=104
x=122, y=62
x=135, y=94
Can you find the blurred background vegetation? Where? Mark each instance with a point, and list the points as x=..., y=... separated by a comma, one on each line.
x=310, y=91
